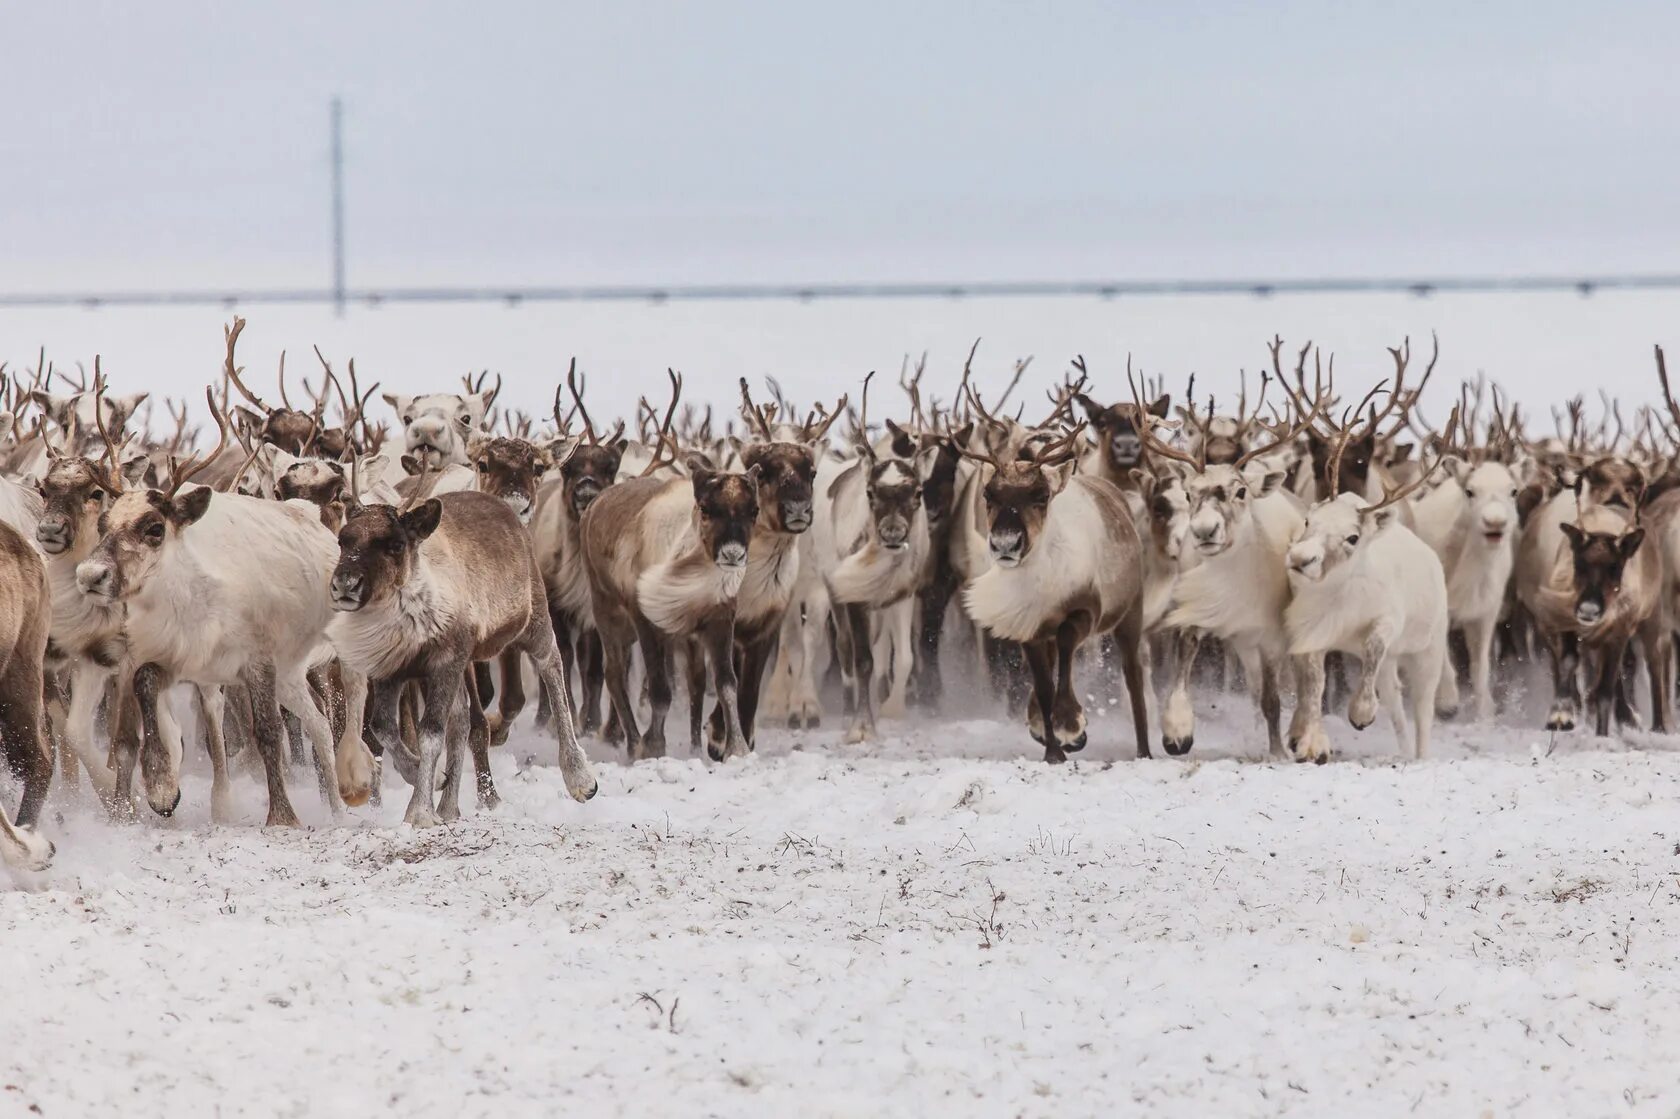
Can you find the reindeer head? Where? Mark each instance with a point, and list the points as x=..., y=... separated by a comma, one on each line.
x=1613, y=482
x=1120, y=428
x=1490, y=494
x=378, y=549
x=436, y=426
x=136, y=532
x=1353, y=471
x=140, y=527
x=78, y=416
x=588, y=469
x=1018, y=495
x=1222, y=440
x=785, y=474
x=320, y=482
x=1333, y=533
x=75, y=491
x=1600, y=559
x=1168, y=507
x=510, y=469
x=726, y=508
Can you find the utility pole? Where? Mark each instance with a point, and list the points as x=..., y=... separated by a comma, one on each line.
x=338, y=205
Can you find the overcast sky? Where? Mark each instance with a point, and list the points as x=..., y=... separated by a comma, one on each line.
x=184, y=144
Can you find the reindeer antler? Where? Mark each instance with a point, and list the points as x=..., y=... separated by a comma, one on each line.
x=181, y=472
x=230, y=372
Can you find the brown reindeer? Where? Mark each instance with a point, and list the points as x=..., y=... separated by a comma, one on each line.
x=666, y=558
x=25, y=619
x=1067, y=565
x=421, y=595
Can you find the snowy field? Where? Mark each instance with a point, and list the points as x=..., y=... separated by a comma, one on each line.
x=935, y=924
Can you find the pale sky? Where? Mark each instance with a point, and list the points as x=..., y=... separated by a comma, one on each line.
x=184, y=144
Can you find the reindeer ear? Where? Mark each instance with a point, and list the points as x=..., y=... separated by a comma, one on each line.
x=247, y=420
x=924, y=460
x=410, y=465
x=188, y=507
x=57, y=408
x=399, y=403
x=1060, y=475
x=1093, y=410
x=754, y=472
x=1145, y=482
x=7, y=422
x=1576, y=536
x=1379, y=519
x=422, y=520
x=477, y=442
x=125, y=406
x=1162, y=405
x=1629, y=543
x=699, y=464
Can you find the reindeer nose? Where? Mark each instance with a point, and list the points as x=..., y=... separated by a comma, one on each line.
x=94, y=578
x=1588, y=613
x=796, y=515
x=53, y=534
x=732, y=555
x=347, y=588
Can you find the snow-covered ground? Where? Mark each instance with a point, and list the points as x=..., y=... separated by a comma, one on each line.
x=935, y=924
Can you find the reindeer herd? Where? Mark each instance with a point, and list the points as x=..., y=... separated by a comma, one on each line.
x=322, y=584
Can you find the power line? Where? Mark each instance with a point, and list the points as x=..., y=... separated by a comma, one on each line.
x=339, y=295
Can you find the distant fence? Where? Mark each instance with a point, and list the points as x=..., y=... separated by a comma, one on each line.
x=643, y=293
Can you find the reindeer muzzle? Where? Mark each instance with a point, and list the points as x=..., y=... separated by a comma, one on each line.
x=53, y=534
x=349, y=591
x=796, y=515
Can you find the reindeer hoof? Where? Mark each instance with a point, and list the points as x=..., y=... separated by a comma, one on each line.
x=1560, y=720
x=287, y=819
x=489, y=800
x=1177, y=747
x=38, y=850
x=1053, y=755
x=169, y=810
x=1143, y=750
x=1074, y=745
x=714, y=750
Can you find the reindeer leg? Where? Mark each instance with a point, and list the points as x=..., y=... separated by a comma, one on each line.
x=1135, y=667
x=616, y=637
x=719, y=637
x=753, y=659
x=656, y=655
x=1657, y=639
x=1067, y=717
x=87, y=689
x=1039, y=655
x=1566, y=683
x=1478, y=633
x=478, y=741
x=442, y=694
x=932, y=602
x=454, y=734
x=694, y=670
x=297, y=700
x=1362, y=708
x=1389, y=692
x=545, y=656
x=161, y=779
x=855, y=618
x=513, y=696
x=357, y=774
x=27, y=753
x=1271, y=705
x=1178, y=721
x=212, y=712
x=270, y=734
x=1307, y=738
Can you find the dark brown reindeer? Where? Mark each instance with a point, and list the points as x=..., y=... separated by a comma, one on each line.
x=422, y=594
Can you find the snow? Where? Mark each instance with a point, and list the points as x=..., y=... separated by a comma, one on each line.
x=936, y=923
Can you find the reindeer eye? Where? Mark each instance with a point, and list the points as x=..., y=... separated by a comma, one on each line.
x=394, y=547
x=484, y=468
x=1353, y=541
x=1242, y=494
x=154, y=531
x=464, y=421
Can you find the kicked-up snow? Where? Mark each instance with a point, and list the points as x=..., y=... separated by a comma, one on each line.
x=934, y=924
